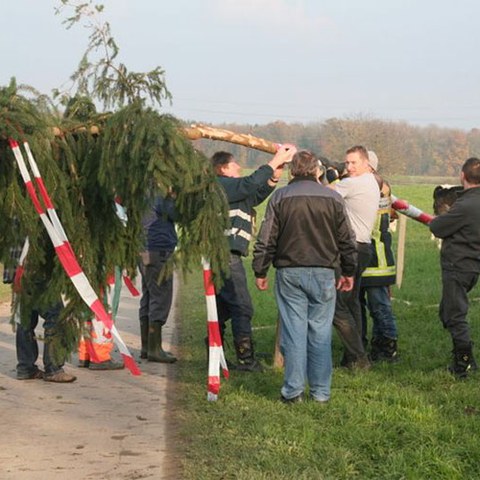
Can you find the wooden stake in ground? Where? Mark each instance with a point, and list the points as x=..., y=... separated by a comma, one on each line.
x=402, y=235
x=277, y=355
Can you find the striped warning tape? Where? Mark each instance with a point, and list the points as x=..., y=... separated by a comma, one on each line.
x=402, y=206
x=64, y=249
x=216, y=355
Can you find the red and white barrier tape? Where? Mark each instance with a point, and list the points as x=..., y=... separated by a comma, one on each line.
x=65, y=252
x=216, y=355
x=17, y=279
x=402, y=206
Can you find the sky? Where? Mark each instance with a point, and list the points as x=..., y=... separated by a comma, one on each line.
x=258, y=61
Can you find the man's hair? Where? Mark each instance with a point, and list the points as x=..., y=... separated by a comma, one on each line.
x=304, y=164
x=360, y=149
x=471, y=170
x=221, y=158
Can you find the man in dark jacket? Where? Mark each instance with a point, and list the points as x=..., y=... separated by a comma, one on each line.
x=306, y=234
x=459, y=228
x=161, y=240
x=243, y=194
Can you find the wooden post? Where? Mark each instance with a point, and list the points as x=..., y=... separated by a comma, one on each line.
x=277, y=355
x=402, y=234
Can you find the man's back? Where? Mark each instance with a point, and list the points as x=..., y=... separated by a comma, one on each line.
x=460, y=230
x=308, y=224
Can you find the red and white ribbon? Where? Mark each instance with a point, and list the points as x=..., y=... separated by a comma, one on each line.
x=65, y=252
x=402, y=206
x=216, y=355
x=17, y=279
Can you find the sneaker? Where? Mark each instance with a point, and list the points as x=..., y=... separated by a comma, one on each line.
x=323, y=401
x=106, y=365
x=297, y=399
x=36, y=375
x=60, y=377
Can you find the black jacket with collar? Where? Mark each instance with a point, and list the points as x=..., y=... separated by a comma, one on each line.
x=305, y=225
x=459, y=228
x=243, y=194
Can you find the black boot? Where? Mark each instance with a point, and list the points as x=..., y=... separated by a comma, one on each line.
x=352, y=362
x=155, y=352
x=463, y=361
x=144, y=337
x=390, y=352
x=376, y=349
x=245, y=356
x=384, y=349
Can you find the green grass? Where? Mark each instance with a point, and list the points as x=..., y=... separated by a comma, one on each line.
x=410, y=420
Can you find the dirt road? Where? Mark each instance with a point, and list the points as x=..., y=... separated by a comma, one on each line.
x=106, y=425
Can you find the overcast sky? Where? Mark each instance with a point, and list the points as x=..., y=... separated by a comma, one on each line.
x=256, y=61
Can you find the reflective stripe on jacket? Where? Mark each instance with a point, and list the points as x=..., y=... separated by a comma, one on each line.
x=381, y=270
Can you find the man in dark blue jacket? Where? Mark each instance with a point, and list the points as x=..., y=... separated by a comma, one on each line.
x=459, y=228
x=161, y=240
x=243, y=194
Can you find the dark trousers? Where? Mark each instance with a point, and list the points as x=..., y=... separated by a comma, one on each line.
x=348, y=312
x=234, y=301
x=454, y=305
x=27, y=346
x=157, y=297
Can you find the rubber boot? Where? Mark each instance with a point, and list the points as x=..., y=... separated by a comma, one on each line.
x=384, y=349
x=463, y=362
x=389, y=350
x=355, y=363
x=376, y=349
x=246, y=361
x=144, y=337
x=155, y=352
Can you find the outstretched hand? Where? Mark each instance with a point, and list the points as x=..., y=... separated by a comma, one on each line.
x=284, y=155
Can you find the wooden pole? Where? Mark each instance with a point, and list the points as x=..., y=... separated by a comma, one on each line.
x=195, y=132
x=402, y=235
x=277, y=355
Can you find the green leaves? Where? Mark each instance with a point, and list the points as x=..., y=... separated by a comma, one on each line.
x=99, y=74
x=137, y=154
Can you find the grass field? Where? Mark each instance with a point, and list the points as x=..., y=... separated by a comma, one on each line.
x=409, y=420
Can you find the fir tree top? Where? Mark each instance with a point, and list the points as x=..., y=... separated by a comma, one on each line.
x=138, y=153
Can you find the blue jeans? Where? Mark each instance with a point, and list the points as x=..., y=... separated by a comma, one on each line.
x=306, y=302
x=234, y=301
x=377, y=299
x=27, y=346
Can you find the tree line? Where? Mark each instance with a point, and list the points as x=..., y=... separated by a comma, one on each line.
x=402, y=148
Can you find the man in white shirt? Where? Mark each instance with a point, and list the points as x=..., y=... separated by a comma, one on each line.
x=361, y=193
